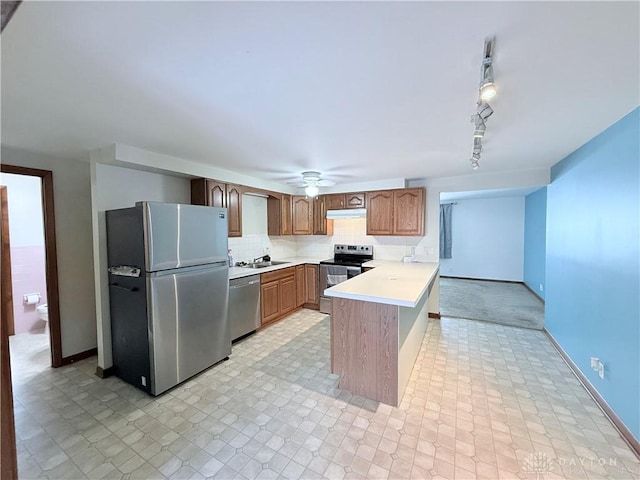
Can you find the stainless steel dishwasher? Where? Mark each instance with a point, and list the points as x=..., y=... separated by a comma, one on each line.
x=244, y=305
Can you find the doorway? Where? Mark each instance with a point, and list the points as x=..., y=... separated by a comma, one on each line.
x=35, y=328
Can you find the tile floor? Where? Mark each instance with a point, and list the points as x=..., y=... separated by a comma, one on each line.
x=484, y=401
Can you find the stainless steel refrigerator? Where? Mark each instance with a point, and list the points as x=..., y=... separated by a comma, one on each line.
x=168, y=289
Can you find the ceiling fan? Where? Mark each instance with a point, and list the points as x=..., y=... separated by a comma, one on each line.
x=311, y=181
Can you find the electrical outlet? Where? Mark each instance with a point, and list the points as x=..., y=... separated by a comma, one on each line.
x=143, y=380
x=594, y=363
x=601, y=370
x=541, y=288
x=429, y=250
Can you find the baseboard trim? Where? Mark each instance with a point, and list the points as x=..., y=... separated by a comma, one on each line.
x=434, y=315
x=79, y=356
x=482, y=279
x=534, y=292
x=105, y=372
x=626, y=434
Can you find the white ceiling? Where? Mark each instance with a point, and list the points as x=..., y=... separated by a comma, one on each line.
x=358, y=90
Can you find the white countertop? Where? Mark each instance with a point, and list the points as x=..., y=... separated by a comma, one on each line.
x=239, y=272
x=392, y=283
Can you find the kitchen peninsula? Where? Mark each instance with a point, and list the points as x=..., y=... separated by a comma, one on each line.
x=379, y=320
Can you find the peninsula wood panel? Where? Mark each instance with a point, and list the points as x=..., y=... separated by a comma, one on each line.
x=364, y=348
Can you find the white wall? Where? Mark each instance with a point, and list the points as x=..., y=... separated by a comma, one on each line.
x=429, y=245
x=25, y=209
x=354, y=231
x=487, y=239
x=118, y=187
x=72, y=199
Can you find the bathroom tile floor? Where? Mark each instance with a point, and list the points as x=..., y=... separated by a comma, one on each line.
x=484, y=401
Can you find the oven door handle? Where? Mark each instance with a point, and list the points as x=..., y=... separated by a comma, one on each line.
x=353, y=271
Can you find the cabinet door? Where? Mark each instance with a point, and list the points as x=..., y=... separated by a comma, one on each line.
x=285, y=215
x=335, y=201
x=270, y=301
x=408, y=211
x=279, y=215
x=216, y=194
x=311, y=284
x=287, y=294
x=300, y=285
x=354, y=200
x=208, y=192
x=234, y=206
x=320, y=216
x=302, y=215
x=379, y=212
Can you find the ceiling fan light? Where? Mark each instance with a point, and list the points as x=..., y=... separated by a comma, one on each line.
x=311, y=191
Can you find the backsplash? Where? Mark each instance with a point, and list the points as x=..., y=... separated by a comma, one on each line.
x=346, y=230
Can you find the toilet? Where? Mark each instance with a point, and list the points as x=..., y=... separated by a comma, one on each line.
x=43, y=313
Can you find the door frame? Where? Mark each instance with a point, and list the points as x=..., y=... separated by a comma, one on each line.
x=8, y=458
x=51, y=257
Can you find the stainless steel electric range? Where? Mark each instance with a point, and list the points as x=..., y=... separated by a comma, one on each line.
x=346, y=263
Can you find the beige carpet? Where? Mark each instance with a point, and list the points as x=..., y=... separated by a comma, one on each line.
x=498, y=302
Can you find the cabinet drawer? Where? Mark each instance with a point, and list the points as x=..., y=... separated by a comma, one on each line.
x=278, y=274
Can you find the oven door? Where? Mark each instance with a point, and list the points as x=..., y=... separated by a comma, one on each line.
x=331, y=275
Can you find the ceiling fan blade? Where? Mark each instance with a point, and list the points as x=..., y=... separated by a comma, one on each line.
x=326, y=183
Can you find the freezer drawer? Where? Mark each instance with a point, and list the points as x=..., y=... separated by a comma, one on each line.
x=189, y=330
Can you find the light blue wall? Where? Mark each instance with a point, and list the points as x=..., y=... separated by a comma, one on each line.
x=535, y=237
x=593, y=262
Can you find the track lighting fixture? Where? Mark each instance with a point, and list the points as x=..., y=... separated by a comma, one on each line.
x=477, y=145
x=484, y=110
x=480, y=127
x=487, y=85
x=487, y=91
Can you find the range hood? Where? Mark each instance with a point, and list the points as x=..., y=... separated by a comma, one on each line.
x=347, y=213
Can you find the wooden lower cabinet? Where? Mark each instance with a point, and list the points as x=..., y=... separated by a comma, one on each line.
x=287, y=295
x=270, y=301
x=300, y=286
x=277, y=294
x=312, y=295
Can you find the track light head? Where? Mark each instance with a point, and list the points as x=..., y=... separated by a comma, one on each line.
x=480, y=128
x=475, y=164
x=477, y=145
x=484, y=110
x=487, y=87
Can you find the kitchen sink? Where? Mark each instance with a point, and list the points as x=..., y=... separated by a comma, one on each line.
x=264, y=264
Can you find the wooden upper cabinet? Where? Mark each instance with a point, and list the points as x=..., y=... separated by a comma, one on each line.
x=213, y=193
x=321, y=226
x=339, y=201
x=208, y=192
x=379, y=212
x=396, y=212
x=302, y=208
x=335, y=201
x=354, y=200
x=408, y=211
x=279, y=215
x=234, y=210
